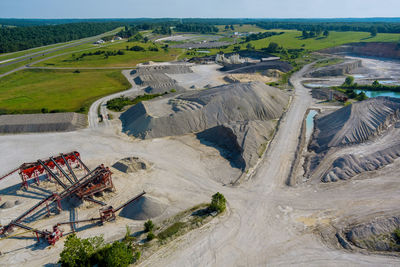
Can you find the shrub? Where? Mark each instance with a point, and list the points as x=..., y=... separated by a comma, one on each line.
x=173, y=90
x=150, y=236
x=218, y=203
x=78, y=252
x=77, y=71
x=148, y=226
x=137, y=48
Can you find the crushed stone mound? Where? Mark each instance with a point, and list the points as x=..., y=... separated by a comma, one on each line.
x=376, y=235
x=143, y=209
x=234, y=107
x=346, y=67
x=7, y=205
x=131, y=164
x=195, y=112
x=241, y=143
x=375, y=121
x=355, y=123
x=156, y=79
x=50, y=122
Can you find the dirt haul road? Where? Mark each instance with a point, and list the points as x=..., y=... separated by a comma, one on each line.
x=269, y=223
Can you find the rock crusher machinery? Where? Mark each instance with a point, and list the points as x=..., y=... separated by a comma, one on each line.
x=52, y=166
x=106, y=215
x=95, y=181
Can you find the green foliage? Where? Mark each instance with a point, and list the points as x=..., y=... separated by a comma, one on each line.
x=150, y=236
x=373, y=31
x=117, y=104
x=272, y=48
x=170, y=231
x=92, y=251
x=173, y=90
x=148, y=226
x=218, y=203
x=21, y=38
x=118, y=254
x=261, y=35
x=78, y=252
x=361, y=96
x=137, y=48
x=396, y=233
x=348, y=81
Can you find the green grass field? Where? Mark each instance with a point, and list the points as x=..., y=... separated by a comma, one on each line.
x=293, y=40
x=129, y=59
x=29, y=91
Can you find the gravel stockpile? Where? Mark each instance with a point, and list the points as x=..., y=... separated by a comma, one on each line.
x=143, y=209
x=355, y=123
x=338, y=146
x=131, y=164
x=156, y=79
x=243, y=113
x=49, y=122
x=340, y=69
x=377, y=235
x=258, y=67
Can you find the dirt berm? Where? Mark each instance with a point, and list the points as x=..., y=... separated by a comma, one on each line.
x=51, y=122
x=245, y=114
x=337, y=145
x=373, y=49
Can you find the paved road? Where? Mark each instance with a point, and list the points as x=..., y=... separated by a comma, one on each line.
x=49, y=51
x=261, y=226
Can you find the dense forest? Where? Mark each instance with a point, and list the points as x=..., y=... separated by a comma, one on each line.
x=20, y=38
x=381, y=27
x=196, y=27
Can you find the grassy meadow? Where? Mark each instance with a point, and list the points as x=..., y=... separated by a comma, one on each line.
x=29, y=91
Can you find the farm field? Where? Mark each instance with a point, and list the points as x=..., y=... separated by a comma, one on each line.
x=29, y=91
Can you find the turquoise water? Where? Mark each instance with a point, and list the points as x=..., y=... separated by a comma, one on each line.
x=316, y=85
x=310, y=123
x=379, y=93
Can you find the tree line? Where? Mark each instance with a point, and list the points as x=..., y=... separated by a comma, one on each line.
x=20, y=38
x=379, y=27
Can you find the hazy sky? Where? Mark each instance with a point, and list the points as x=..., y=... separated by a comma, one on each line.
x=202, y=8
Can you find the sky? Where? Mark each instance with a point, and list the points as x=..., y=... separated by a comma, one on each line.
x=199, y=9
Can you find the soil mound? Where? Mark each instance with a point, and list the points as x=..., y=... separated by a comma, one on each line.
x=51, y=122
x=143, y=209
x=372, y=49
x=131, y=164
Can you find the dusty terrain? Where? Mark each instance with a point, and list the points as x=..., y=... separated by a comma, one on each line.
x=267, y=222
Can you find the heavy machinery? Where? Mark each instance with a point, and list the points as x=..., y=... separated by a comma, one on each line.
x=52, y=166
x=106, y=214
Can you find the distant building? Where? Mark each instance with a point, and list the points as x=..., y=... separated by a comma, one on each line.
x=101, y=41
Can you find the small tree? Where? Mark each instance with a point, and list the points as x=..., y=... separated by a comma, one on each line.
x=148, y=226
x=326, y=33
x=218, y=203
x=348, y=81
x=373, y=31
x=150, y=236
x=361, y=96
